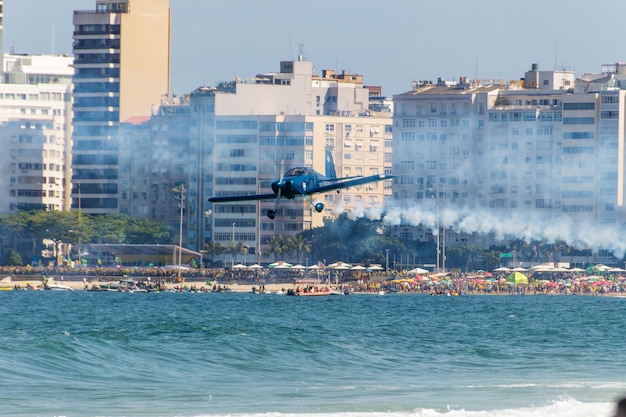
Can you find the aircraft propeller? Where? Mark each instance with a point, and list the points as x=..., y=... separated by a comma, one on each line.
x=271, y=213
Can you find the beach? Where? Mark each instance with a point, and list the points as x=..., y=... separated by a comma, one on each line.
x=78, y=285
x=454, y=285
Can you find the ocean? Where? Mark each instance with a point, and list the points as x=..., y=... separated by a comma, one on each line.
x=238, y=354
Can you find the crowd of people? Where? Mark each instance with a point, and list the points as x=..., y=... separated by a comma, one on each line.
x=545, y=282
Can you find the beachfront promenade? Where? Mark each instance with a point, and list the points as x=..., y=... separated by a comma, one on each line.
x=538, y=281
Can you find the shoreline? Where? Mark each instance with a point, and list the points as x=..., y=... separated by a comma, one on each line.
x=194, y=284
x=201, y=286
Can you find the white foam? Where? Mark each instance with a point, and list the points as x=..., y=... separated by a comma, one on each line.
x=560, y=408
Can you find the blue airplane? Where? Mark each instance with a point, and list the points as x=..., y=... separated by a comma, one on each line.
x=302, y=181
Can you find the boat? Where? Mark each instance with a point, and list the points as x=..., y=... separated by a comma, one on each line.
x=6, y=284
x=57, y=287
x=126, y=285
x=50, y=284
x=317, y=292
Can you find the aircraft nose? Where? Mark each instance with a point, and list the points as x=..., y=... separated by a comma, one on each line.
x=282, y=185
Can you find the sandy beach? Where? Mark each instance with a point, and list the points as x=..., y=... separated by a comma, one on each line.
x=200, y=285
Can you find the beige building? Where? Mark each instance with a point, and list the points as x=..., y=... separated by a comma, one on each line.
x=122, y=62
x=232, y=138
x=291, y=118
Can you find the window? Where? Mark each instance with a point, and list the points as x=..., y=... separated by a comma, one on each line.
x=578, y=120
x=609, y=114
x=579, y=106
x=408, y=122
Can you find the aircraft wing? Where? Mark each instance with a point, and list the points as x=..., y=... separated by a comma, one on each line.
x=248, y=197
x=350, y=183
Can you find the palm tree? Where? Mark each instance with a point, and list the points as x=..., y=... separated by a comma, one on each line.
x=300, y=244
x=213, y=248
x=237, y=248
x=278, y=245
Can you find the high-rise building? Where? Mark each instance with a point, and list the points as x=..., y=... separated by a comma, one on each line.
x=122, y=64
x=1, y=31
x=35, y=109
x=232, y=139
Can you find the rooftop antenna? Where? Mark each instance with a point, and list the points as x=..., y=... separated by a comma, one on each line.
x=52, y=41
x=301, y=53
x=476, y=67
x=556, y=48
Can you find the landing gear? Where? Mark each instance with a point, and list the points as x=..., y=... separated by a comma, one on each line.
x=319, y=207
x=271, y=214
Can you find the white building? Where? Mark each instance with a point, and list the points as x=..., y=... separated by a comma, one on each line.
x=232, y=138
x=546, y=152
x=35, y=126
x=291, y=116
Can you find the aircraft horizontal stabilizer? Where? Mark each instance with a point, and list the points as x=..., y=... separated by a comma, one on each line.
x=352, y=183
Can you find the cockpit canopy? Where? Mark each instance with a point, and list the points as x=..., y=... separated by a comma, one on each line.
x=295, y=172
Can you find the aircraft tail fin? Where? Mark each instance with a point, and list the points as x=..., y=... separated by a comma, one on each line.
x=330, y=165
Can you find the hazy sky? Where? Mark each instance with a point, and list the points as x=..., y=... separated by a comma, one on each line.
x=390, y=42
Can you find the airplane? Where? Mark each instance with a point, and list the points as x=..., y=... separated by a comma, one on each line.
x=302, y=181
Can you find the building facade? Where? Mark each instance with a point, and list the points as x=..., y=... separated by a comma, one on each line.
x=547, y=151
x=122, y=65
x=35, y=127
x=234, y=137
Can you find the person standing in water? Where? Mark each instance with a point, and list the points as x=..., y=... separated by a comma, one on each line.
x=621, y=408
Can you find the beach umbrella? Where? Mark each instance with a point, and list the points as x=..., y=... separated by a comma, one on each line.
x=502, y=269
x=417, y=271
x=279, y=265
x=339, y=265
x=240, y=266
x=255, y=266
x=358, y=268
x=516, y=278
x=298, y=266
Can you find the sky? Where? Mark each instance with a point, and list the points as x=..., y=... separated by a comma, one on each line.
x=391, y=43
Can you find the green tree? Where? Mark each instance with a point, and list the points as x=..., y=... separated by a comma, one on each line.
x=15, y=259
x=111, y=228
x=300, y=244
x=148, y=231
x=237, y=248
x=213, y=248
x=491, y=260
x=279, y=246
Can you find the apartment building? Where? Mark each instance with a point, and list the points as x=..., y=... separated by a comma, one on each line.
x=288, y=119
x=35, y=126
x=122, y=65
x=233, y=139
x=546, y=147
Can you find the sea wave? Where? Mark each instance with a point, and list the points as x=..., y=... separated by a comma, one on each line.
x=560, y=408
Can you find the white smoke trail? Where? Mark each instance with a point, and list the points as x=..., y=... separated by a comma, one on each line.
x=503, y=225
